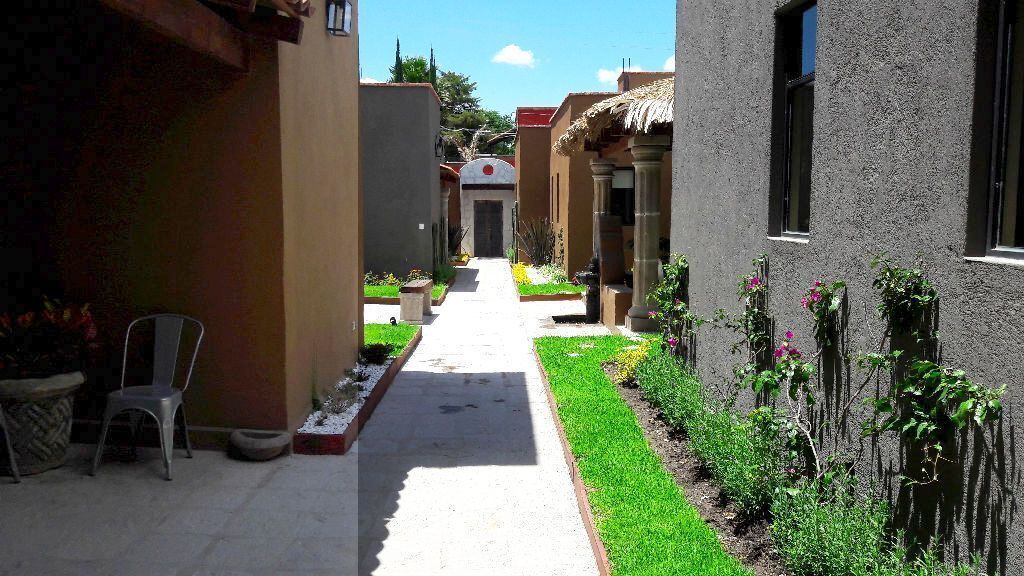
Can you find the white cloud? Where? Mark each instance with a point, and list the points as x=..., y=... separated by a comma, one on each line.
x=670, y=64
x=611, y=77
x=515, y=56
x=370, y=81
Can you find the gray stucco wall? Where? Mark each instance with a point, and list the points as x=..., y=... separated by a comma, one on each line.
x=400, y=174
x=892, y=173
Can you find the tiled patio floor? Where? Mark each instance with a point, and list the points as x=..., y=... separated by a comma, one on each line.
x=458, y=472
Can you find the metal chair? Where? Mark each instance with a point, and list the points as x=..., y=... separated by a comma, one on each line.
x=161, y=399
x=10, y=449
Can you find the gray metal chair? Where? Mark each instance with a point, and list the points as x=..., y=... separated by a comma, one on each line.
x=161, y=399
x=10, y=449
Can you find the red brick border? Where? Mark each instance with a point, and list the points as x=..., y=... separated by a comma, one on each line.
x=459, y=263
x=603, y=566
x=338, y=444
x=397, y=301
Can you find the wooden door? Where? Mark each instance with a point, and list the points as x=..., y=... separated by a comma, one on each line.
x=487, y=228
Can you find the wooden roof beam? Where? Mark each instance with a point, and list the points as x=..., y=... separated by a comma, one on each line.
x=191, y=24
x=272, y=26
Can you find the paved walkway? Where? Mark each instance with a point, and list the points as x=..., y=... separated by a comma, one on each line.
x=461, y=470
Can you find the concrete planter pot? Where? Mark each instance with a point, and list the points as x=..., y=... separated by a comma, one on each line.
x=38, y=414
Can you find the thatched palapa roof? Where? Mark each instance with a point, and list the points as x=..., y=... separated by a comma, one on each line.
x=634, y=112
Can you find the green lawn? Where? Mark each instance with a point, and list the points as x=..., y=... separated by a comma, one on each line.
x=563, y=288
x=392, y=291
x=399, y=335
x=647, y=526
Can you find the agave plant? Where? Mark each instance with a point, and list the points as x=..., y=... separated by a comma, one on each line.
x=537, y=239
x=455, y=236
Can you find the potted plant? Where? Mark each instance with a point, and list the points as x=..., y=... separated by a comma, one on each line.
x=42, y=354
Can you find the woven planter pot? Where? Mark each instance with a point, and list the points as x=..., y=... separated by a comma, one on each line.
x=38, y=414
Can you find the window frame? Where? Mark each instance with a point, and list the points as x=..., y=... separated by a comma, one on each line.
x=789, y=80
x=999, y=154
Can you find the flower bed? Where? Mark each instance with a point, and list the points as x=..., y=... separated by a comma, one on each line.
x=334, y=426
x=540, y=284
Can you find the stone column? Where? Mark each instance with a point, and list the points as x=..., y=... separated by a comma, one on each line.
x=603, y=170
x=647, y=155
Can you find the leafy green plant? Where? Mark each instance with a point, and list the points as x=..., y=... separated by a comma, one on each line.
x=376, y=353
x=538, y=241
x=753, y=324
x=823, y=301
x=821, y=528
x=669, y=386
x=510, y=254
x=444, y=274
x=905, y=293
x=670, y=295
x=930, y=402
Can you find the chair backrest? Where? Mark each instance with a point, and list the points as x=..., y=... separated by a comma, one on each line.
x=167, y=332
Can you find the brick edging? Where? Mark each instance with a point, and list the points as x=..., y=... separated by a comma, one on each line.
x=550, y=297
x=398, y=301
x=600, y=556
x=338, y=444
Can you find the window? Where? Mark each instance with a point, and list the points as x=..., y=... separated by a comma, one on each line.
x=1006, y=207
x=623, y=197
x=799, y=31
x=558, y=197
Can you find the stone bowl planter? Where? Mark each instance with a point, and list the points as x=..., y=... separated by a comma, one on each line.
x=38, y=414
x=260, y=445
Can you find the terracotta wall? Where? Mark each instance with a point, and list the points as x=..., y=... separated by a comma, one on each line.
x=319, y=114
x=174, y=205
x=533, y=159
x=573, y=176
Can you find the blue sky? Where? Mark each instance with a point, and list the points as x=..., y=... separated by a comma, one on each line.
x=570, y=41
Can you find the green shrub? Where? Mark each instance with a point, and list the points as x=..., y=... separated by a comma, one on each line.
x=744, y=453
x=822, y=529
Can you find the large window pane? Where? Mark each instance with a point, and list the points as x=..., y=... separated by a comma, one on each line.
x=798, y=201
x=1010, y=223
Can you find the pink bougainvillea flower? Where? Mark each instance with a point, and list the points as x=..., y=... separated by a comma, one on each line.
x=803, y=302
x=652, y=314
x=818, y=283
x=779, y=352
x=816, y=297
x=789, y=334
x=784, y=345
x=672, y=341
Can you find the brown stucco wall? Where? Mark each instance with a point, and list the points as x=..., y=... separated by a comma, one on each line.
x=533, y=159
x=576, y=198
x=175, y=206
x=322, y=204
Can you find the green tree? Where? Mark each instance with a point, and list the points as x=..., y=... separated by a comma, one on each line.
x=414, y=69
x=456, y=92
x=397, y=71
x=433, y=69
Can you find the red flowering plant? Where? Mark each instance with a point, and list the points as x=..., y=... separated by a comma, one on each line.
x=823, y=302
x=55, y=339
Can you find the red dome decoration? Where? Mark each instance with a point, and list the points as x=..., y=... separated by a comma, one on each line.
x=488, y=169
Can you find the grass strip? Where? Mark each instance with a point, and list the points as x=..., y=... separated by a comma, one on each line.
x=392, y=291
x=563, y=288
x=398, y=335
x=647, y=526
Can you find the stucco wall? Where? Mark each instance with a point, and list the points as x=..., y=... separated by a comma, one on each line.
x=401, y=179
x=891, y=168
x=174, y=205
x=533, y=158
x=319, y=112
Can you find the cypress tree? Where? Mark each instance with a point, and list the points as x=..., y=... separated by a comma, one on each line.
x=398, y=74
x=433, y=69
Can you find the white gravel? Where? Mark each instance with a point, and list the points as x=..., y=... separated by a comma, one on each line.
x=338, y=423
x=536, y=276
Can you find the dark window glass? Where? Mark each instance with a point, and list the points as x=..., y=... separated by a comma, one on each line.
x=1007, y=204
x=623, y=197
x=800, y=42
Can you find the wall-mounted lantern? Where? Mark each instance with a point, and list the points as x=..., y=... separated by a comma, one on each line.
x=339, y=17
x=439, y=146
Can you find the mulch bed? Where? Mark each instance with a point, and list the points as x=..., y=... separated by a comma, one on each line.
x=746, y=539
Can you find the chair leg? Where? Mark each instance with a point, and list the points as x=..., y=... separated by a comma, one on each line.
x=107, y=417
x=10, y=449
x=184, y=430
x=167, y=441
